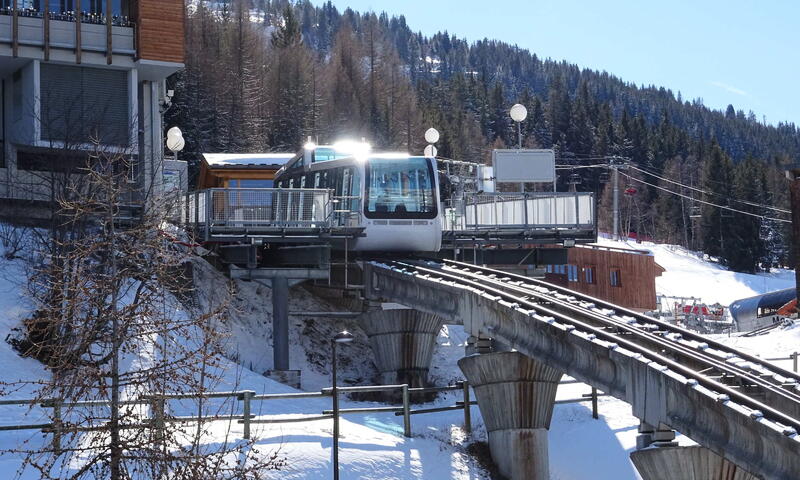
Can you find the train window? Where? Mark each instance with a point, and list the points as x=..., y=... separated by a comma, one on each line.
x=549, y=269
x=399, y=188
x=316, y=180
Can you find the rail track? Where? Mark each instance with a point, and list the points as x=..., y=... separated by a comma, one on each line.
x=743, y=378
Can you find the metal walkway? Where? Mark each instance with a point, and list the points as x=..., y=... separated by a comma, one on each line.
x=739, y=406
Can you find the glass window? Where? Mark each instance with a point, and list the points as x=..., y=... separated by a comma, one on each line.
x=549, y=269
x=616, y=280
x=572, y=273
x=250, y=183
x=326, y=154
x=588, y=273
x=399, y=188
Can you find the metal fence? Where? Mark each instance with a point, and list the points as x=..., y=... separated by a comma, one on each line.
x=534, y=210
x=232, y=208
x=158, y=417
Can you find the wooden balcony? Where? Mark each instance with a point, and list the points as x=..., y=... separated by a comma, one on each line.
x=151, y=30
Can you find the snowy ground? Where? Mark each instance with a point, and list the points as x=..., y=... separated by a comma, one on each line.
x=372, y=445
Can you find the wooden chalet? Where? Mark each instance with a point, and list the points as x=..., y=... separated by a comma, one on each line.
x=240, y=170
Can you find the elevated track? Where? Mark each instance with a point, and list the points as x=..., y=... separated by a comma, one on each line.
x=740, y=406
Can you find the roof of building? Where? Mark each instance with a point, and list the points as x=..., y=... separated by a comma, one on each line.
x=748, y=307
x=246, y=160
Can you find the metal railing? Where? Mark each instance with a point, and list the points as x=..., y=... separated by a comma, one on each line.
x=533, y=210
x=158, y=418
x=233, y=208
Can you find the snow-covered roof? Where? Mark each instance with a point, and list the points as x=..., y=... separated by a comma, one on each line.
x=247, y=159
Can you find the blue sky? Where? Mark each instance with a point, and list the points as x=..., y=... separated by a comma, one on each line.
x=745, y=53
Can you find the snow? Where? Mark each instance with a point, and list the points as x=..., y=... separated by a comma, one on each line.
x=372, y=446
x=245, y=159
x=688, y=274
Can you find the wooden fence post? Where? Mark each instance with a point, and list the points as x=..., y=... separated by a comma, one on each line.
x=406, y=412
x=57, y=426
x=467, y=412
x=595, y=414
x=158, y=407
x=245, y=397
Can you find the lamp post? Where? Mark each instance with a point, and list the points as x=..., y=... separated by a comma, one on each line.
x=175, y=141
x=341, y=337
x=519, y=113
x=431, y=136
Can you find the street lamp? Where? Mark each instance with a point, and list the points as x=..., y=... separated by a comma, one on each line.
x=175, y=141
x=341, y=337
x=519, y=113
x=431, y=136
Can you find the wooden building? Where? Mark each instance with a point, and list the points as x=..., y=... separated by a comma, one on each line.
x=625, y=277
x=240, y=170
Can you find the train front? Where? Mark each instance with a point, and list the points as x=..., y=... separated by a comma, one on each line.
x=400, y=204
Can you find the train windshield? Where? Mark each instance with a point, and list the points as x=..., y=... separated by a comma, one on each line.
x=401, y=187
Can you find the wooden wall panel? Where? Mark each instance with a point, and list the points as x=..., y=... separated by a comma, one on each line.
x=161, y=27
x=637, y=273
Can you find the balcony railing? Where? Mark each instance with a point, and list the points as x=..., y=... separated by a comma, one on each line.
x=94, y=18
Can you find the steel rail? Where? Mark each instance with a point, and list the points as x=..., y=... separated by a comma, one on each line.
x=618, y=309
x=672, y=345
x=776, y=416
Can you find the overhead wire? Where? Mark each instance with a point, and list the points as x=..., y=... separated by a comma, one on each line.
x=723, y=207
x=745, y=202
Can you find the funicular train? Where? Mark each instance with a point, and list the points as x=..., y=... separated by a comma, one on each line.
x=393, y=196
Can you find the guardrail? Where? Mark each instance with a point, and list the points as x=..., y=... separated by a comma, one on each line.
x=158, y=417
x=276, y=208
x=532, y=210
x=792, y=356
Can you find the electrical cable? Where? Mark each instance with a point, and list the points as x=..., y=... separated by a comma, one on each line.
x=723, y=207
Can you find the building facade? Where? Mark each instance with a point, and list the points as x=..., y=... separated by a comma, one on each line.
x=84, y=75
x=625, y=277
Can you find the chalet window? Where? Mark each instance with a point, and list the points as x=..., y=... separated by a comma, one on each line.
x=616, y=278
x=588, y=274
x=572, y=273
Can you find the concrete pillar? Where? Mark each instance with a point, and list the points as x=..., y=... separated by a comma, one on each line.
x=516, y=395
x=280, y=323
x=685, y=463
x=402, y=342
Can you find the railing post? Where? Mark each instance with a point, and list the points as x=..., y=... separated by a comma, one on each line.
x=595, y=414
x=467, y=412
x=525, y=209
x=245, y=397
x=208, y=210
x=406, y=412
x=794, y=358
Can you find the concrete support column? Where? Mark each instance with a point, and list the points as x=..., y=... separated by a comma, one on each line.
x=516, y=395
x=402, y=342
x=685, y=463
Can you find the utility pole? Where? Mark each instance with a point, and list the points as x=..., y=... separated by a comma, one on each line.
x=616, y=163
x=793, y=174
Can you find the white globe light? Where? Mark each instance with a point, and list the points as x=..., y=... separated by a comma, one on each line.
x=176, y=144
x=519, y=112
x=431, y=135
x=174, y=132
x=430, y=151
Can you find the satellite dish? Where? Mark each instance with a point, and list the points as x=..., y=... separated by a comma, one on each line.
x=175, y=144
x=430, y=151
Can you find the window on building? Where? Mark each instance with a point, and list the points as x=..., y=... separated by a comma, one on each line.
x=588, y=274
x=572, y=273
x=616, y=278
x=84, y=105
x=250, y=183
x=549, y=269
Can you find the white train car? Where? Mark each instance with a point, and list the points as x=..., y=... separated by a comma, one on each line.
x=395, y=195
